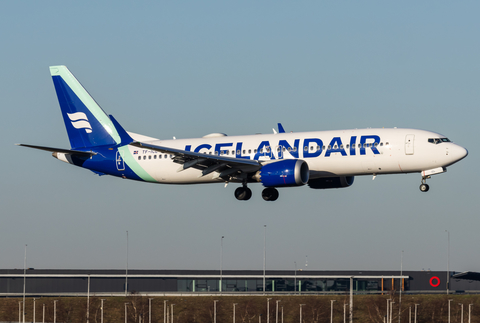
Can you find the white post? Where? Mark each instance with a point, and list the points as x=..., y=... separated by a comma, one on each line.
x=344, y=312
x=101, y=311
x=449, y=309
x=461, y=320
x=165, y=311
x=301, y=305
x=126, y=310
x=34, y=310
x=415, y=321
x=88, y=298
x=149, y=310
x=470, y=313
x=351, y=301
x=331, y=310
x=19, y=312
x=282, y=313
x=234, y=304
x=276, y=311
x=171, y=306
x=409, y=314
x=43, y=316
x=215, y=311
x=55, y=311
x=268, y=310
x=388, y=310
x=391, y=310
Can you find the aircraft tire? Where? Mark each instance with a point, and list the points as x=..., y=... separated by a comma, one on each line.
x=270, y=194
x=243, y=193
x=424, y=187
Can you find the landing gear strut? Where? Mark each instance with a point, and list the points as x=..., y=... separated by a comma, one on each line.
x=424, y=186
x=270, y=194
x=243, y=193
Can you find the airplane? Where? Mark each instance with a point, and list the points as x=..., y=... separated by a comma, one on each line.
x=321, y=159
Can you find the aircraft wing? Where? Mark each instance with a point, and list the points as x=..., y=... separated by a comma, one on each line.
x=60, y=150
x=225, y=166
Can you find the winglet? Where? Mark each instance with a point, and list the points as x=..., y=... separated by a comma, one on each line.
x=280, y=128
x=125, y=138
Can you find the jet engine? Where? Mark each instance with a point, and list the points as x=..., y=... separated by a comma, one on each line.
x=283, y=173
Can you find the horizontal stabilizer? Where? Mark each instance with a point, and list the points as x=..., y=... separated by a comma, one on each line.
x=60, y=150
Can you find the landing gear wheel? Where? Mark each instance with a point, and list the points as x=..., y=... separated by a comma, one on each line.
x=243, y=193
x=424, y=187
x=270, y=194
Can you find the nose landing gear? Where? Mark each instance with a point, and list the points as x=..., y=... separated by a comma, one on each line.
x=424, y=186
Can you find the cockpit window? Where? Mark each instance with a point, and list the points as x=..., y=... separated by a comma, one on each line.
x=437, y=141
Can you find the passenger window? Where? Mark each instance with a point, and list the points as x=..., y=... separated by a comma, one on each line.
x=341, y=146
x=283, y=148
x=318, y=148
x=289, y=149
x=381, y=144
x=295, y=149
x=154, y=156
x=238, y=152
x=335, y=146
x=243, y=151
x=305, y=148
x=165, y=156
x=249, y=151
x=254, y=151
x=149, y=156
x=329, y=147
x=144, y=157
x=376, y=144
x=348, y=146
x=139, y=157
x=323, y=147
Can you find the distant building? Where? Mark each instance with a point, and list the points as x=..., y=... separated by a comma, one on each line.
x=112, y=282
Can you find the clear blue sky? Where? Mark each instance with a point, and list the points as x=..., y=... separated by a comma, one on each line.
x=190, y=68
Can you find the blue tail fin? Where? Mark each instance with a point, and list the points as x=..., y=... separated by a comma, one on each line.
x=87, y=124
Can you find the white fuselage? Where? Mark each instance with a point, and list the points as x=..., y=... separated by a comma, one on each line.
x=328, y=153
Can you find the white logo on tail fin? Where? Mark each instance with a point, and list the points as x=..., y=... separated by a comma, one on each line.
x=80, y=121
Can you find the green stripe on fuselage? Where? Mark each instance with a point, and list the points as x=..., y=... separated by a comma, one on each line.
x=134, y=166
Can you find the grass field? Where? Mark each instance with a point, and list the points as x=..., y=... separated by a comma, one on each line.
x=200, y=309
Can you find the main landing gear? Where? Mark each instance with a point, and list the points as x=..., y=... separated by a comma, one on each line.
x=270, y=194
x=244, y=193
x=424, y=186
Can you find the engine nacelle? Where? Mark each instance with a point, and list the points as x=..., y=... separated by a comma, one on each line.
x=282, y=173
x=331, y=182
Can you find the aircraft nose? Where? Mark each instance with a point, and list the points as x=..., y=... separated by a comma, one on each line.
x=460, y=152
